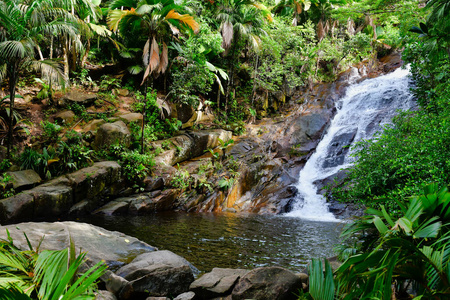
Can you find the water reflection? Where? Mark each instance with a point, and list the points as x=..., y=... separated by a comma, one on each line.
x=230, y=240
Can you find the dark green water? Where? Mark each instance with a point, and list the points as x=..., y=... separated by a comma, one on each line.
x=230, y=240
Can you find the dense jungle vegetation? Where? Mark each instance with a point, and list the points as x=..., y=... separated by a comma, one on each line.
x=230, y=55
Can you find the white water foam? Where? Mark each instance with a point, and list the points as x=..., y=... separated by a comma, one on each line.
x=365, y=107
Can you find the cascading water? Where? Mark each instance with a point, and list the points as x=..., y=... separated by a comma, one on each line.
x=360, y=113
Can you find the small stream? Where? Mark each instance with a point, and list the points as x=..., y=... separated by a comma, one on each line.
x=230, y=240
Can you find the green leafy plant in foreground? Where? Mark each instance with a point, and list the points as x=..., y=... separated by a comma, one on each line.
x=411, y=252
x=46, y=275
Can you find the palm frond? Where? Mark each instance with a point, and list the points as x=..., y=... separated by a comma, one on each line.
x=115, y=17
x=50, y=69
x=227, y=34
x=164, y=59
x=186, y=19
x=13, y=50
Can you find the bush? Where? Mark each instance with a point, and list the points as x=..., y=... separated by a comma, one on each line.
x=48, y=274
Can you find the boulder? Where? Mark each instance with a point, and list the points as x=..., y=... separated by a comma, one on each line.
x=65, y=117
x=218, y=282
x=51, y=200
x=185, y=296
x=116, y=207
x=189, y=145
x=104, y=295
x=132, y=118
x=268, y=283
x=92, y=126
x=113, y=282
x=184, y=112
x=25, y=179
x=113, y=247
x=122, y=92
x=160, y=202
x=158, y=274
x=109, y=134
x=17, y=208
x=78, y=97
x=102, y=178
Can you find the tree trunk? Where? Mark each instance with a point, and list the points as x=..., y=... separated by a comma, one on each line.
x=12, y=94
x=218, y=98
x=73, y=55
x=66, y=61
x=51, y=47
x=230, y=79
x=254, y=79
x=41, y=57
x=86, y=53
x=144, y=115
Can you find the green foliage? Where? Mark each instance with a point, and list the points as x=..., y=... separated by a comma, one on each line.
x=65, y=156
x=51, y=131
x=6, y=189
x=193, y=59
x=45, y=275
x=321, y=284
x=394, y=253
x=5, y=164
x=108, y=83
x=181, y=180
x=38, y=161
x=135, y=166
x=286, y=55
x=80, y=111
x=157, y=127
x=226, y=183
x=83, y=79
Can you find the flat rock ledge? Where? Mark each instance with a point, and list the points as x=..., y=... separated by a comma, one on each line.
x=83, y=190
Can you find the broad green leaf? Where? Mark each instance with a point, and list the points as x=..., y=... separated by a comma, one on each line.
x=382, y=228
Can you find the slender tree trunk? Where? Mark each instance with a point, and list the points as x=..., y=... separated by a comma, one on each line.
x=51, y=47
x=41, y=57
x=86, y=53
x=73, y=55
x=218, y=98
x=144, y=113
x=12, y=94
x=254, y=79
x=66, y=60
x=230, y=79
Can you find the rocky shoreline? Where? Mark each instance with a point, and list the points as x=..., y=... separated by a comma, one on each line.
x=137, y=270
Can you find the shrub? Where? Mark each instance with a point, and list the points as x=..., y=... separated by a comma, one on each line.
x=49, y=274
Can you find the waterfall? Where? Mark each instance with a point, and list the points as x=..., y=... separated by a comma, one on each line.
x=365, y=107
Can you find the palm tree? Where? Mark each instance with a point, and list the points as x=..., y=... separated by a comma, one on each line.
x=292, y=7
x=21, y=27
x=154, y=21
x=241, y=22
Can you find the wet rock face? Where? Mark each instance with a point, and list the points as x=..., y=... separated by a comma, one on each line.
x=159, y=273
x=338, y=149
x=268, y=283
x=24, y=179
x=219, y=282
x=109, y=134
